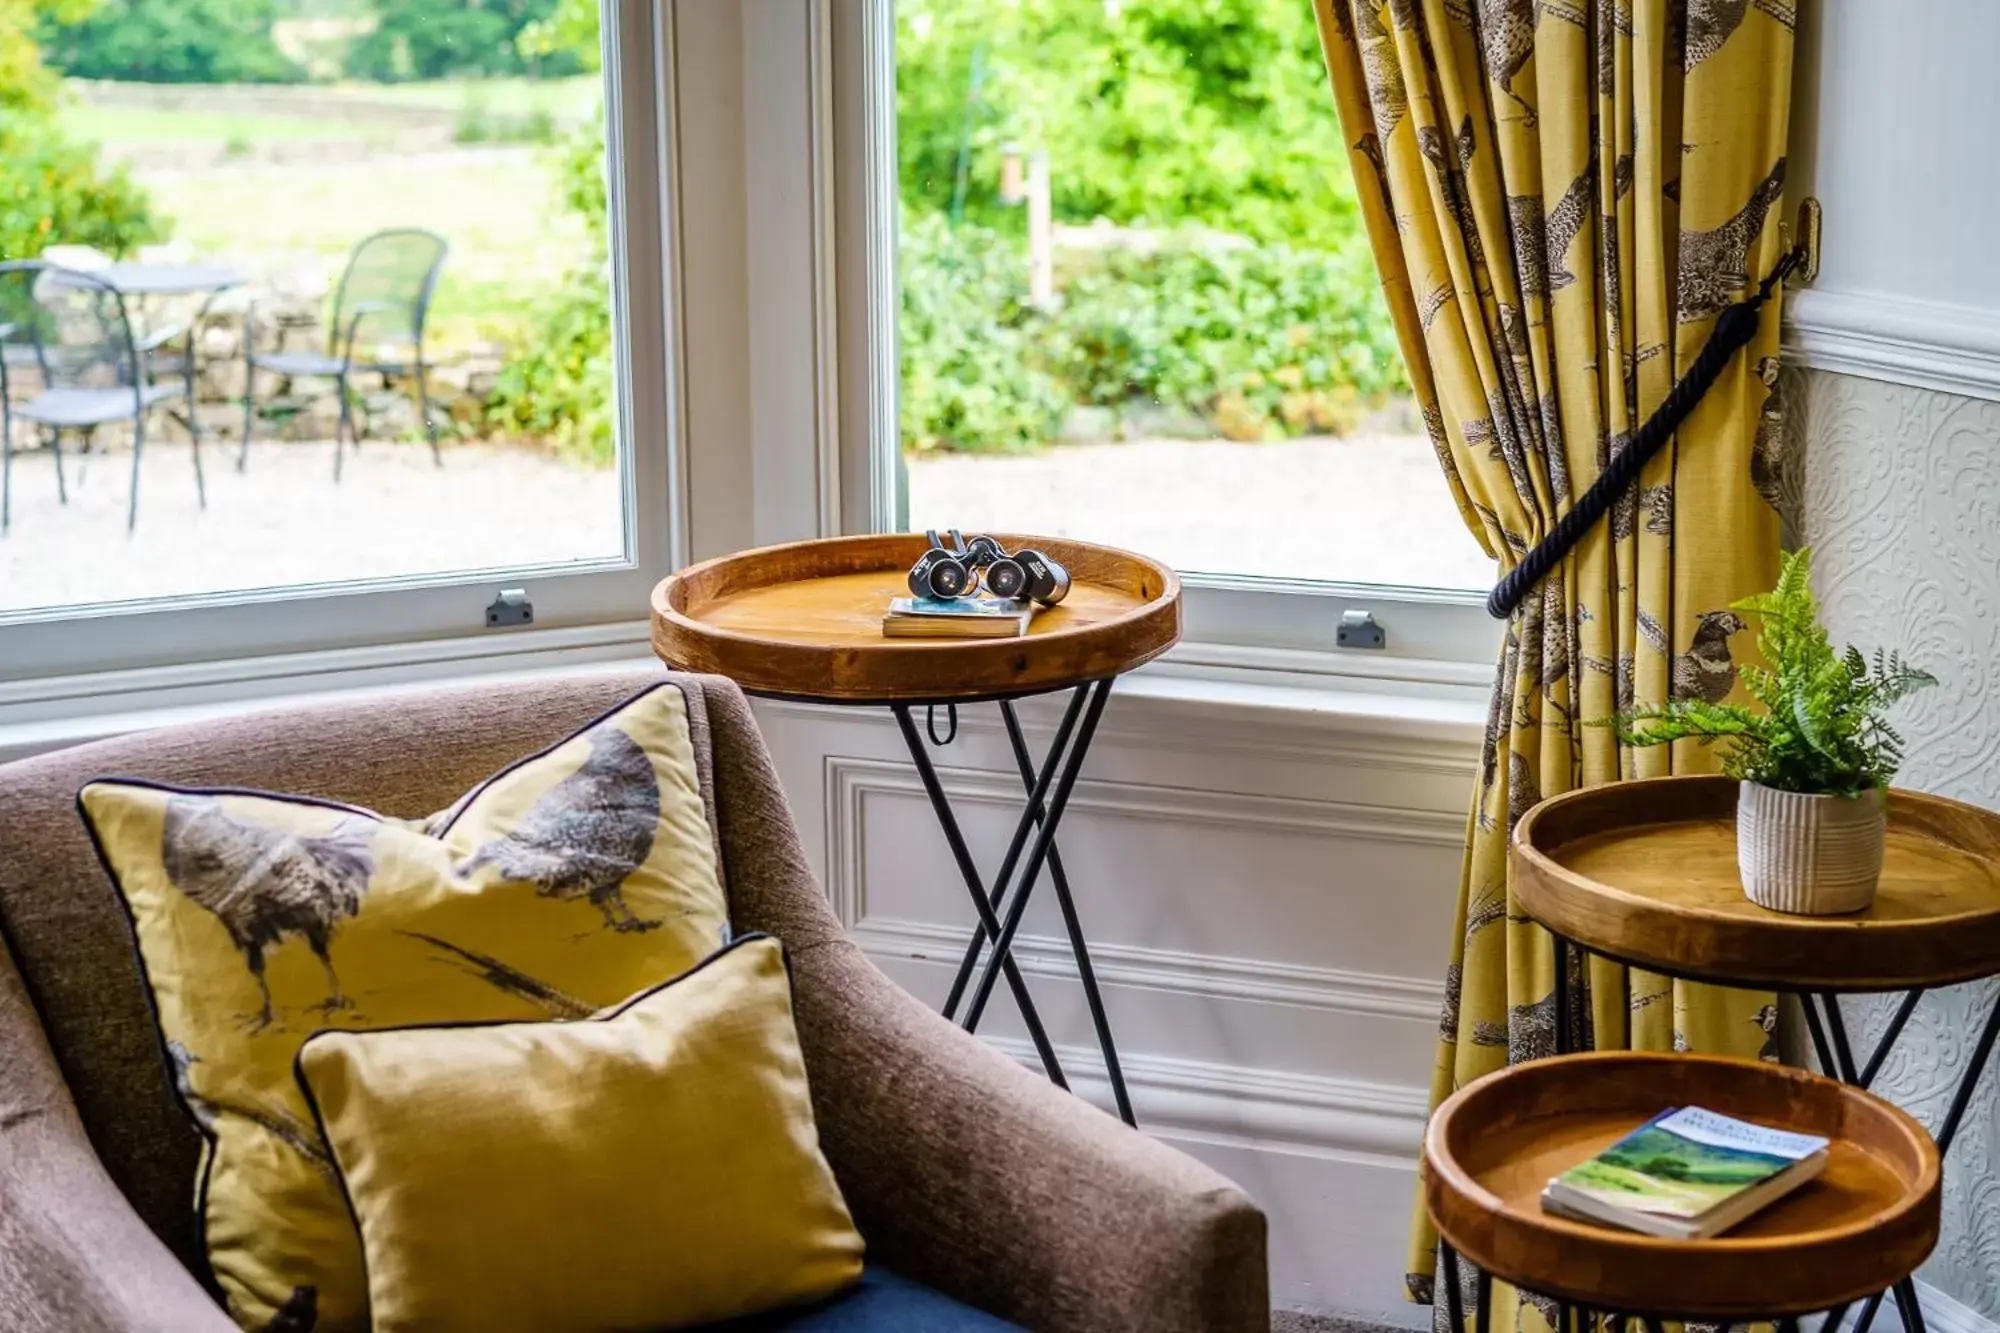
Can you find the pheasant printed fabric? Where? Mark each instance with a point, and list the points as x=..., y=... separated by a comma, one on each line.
x=560, y=886
x=1562, y=196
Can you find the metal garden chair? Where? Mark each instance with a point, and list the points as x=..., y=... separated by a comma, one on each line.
x=383, y=298
x=69, y=331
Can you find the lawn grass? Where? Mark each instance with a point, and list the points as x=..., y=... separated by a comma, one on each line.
x=572, y=99
x=500, y=208
x=501, y=108
x=133, y=125
x=511, y=239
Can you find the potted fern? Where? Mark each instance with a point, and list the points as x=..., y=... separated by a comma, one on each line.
x=1814, y=762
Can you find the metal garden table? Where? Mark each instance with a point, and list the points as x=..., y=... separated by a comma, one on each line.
x=140, y=279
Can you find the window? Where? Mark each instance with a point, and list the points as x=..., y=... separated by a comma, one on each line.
x=1134, y=304
x=770, y=249
x=360, y=190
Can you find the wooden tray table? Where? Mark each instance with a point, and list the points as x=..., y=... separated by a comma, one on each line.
x=1644, y=873
x=1866, y=1223
x=804, y=622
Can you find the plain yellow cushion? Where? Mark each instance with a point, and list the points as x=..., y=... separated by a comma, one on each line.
x=655, y=1168
x=563, y=884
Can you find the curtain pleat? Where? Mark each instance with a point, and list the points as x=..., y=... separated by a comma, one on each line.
x=1561, y=196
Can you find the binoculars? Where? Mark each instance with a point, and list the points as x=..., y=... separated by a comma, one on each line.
x=964, y=568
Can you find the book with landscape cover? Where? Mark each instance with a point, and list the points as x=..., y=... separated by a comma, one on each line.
x=959, y=618
x=1686, y=1174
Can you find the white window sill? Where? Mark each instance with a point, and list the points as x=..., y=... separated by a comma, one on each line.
x=52, y=712
x=1252, y=689
x=1437, y=706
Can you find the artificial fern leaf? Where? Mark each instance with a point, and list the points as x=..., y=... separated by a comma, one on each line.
x=1821, y=728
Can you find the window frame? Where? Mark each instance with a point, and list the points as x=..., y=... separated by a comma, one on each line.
x=1237, y=623
x=756, y=299
x=43, y=646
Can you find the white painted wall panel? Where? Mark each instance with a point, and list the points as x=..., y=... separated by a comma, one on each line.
x=1902, y=507
x=1268, y=896
x=1895, y=114
x=1170, y=868
x=1899, y=111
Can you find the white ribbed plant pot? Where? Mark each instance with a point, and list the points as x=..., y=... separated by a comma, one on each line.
x=1808, y=854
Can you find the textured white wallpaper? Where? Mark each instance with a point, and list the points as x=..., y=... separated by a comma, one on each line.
x=1900, y=500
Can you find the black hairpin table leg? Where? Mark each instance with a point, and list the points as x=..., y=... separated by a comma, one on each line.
x=1836, y=1056
x=1045, y=836
x=988, y=922
x=1835, y=1051
x=1030, y=819
x=1048, y=793
x=1454, y=1302
x=1079, y=946
x=1563, y=999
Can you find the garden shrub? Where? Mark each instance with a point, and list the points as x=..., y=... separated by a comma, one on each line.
x=585, y=192
x=972, y=347
x=1258, y=341
x=556, y=380
x=53, y=192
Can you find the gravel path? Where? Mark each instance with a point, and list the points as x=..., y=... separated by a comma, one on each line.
x=283, y=521
x=1363, y=509
x=1367, y=509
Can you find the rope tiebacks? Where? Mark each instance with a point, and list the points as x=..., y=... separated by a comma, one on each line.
x=1734, y=328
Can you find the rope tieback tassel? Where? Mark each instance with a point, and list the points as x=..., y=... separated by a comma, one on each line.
x=1734, y=328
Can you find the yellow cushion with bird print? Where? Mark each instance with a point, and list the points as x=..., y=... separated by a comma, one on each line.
x=561, y=885
x=655, y=1167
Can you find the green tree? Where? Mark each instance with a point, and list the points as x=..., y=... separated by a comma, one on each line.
x=1158, y=113
x=52, y=190
x=27, y=87
x=170, y=41
x=435, y=39
x=571, y=29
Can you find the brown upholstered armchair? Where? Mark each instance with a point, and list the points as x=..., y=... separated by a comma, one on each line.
x=964, y=1171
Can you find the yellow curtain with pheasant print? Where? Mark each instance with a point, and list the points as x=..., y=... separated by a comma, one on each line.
x=1561, y=196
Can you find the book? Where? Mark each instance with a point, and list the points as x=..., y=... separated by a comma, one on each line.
x=959, y=618
x=1686, y=1174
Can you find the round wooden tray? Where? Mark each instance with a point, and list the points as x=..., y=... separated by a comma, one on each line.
x=1867, y=1221
x=804, y=621
x=1646, y=872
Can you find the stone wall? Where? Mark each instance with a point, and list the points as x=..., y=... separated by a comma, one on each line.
x=308, y=407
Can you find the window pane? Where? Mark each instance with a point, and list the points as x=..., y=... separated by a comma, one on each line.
x=1138, y=305
x=400, y=204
